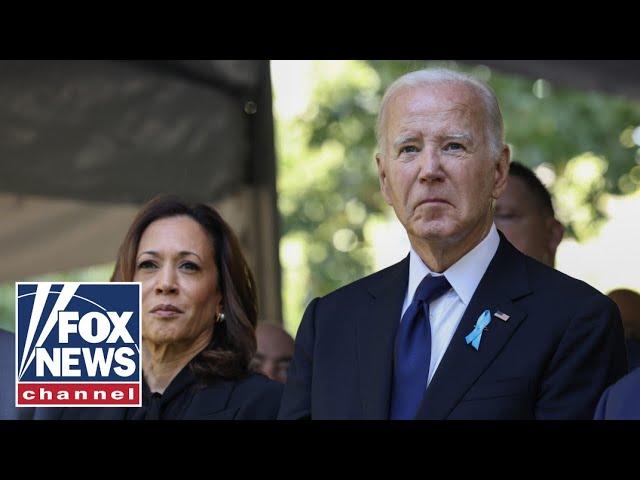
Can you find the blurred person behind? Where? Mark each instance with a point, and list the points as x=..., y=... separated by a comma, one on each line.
x=628, y=302
x=524, y=213
x=199, y=313
x=8, y=409
x=274, y=352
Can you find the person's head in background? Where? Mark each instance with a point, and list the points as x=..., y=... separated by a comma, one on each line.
x=524, y=213
x=274, y=352
x=190, y=261
x=628, y=302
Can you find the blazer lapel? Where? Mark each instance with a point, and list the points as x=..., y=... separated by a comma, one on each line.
x=504, y=281
x=376, y=330
x=210, y=403
x=93, y=413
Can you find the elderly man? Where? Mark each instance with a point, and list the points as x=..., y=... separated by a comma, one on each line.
x=466, y=326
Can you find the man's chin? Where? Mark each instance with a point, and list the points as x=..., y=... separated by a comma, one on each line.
x=431, y=232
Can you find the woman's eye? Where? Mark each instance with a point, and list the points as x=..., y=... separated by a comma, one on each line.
x=190, y=266
x=146, y=264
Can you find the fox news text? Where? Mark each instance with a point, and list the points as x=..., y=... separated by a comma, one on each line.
x=78, y=344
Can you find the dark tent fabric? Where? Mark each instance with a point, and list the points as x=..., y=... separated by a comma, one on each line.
x=122, y=131
x=84, y=143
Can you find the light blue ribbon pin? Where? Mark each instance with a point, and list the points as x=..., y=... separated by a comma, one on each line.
x=476, y=334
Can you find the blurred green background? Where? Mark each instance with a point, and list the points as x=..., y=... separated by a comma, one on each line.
x=584, y=145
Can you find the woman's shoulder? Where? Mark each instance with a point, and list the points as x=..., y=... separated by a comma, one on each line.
x=258, y=384
x=257, y=397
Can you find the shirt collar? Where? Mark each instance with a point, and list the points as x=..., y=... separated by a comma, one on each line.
x=464, y=275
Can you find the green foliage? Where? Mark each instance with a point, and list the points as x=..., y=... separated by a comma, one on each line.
x=328, y=167
x=328, y=190
x=98, y=273
x=563, y=125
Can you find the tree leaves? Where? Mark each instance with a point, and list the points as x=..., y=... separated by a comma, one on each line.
x=334, y=164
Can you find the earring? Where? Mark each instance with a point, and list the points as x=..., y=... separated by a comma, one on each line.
x=220, y=318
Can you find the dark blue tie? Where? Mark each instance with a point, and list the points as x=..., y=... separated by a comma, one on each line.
x=413, y=350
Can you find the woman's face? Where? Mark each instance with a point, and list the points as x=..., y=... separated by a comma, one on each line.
x=180, y=293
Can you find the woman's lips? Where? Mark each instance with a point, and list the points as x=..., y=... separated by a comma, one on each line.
x=166, y=310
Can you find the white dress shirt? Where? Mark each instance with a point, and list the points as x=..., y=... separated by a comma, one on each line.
x=446, y=311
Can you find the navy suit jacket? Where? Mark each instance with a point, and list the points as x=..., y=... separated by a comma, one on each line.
x=255, y=397
x=562, y=345
x=8, y=410
x=621, y=401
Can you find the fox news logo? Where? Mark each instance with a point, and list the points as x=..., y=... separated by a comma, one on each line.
x=78, y=344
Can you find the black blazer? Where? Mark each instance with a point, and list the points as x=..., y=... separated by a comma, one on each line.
x=253, y=398
x=562, y=345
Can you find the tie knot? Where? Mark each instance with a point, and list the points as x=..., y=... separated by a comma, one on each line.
x=431, y=288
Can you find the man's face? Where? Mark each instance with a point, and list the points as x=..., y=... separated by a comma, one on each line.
x=629, y=305
x=274, y=352
x=437, y=172
x=523, y=222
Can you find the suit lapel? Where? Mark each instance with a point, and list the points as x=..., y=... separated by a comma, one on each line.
x=504, y=281
x=376, y=329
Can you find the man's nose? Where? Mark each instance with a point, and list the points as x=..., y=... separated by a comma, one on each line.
x=430, y=164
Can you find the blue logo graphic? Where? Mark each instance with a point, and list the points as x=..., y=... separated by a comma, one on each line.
x=77, y=333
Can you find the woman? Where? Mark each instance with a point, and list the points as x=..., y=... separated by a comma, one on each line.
x=198, y=319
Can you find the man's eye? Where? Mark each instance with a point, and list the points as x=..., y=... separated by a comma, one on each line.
x=408, y=149
x=283, y=365
x=454, y=146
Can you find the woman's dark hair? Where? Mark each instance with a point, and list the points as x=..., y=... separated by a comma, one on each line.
x=234, y=343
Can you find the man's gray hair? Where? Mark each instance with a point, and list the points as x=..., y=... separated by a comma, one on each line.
x=435, y=76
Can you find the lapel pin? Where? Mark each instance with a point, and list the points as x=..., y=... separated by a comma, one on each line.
x=476, y=334
x=502, y=316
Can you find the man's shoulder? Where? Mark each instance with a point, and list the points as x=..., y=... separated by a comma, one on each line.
x=549, y=286
x=372, y=282
x=257, y=396
x=630, y=382
x=552, y=278
x=620, y=400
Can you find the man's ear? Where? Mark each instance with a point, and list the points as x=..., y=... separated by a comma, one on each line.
x=382, y=177
x=556, y=232
x=502, y=172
